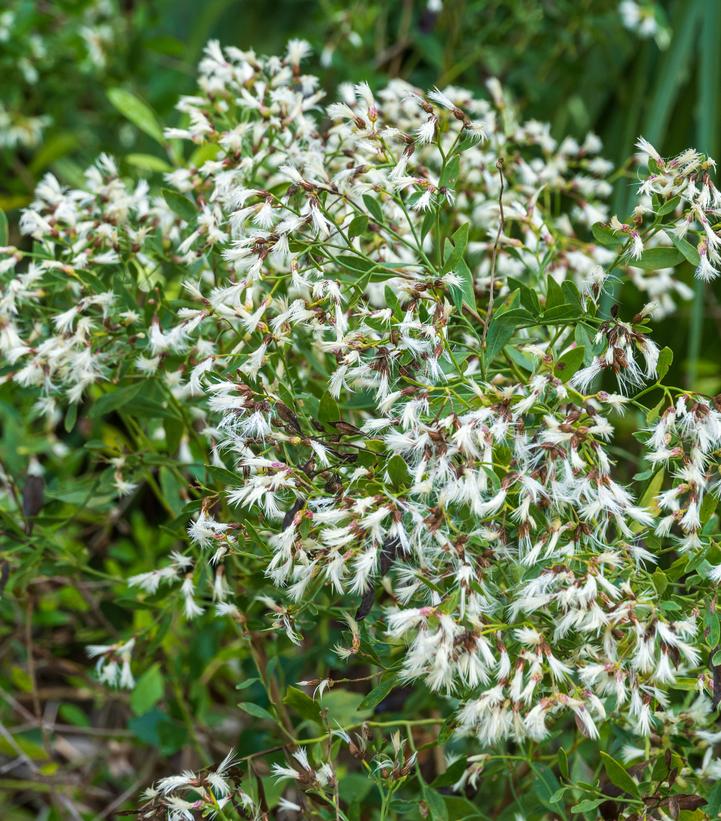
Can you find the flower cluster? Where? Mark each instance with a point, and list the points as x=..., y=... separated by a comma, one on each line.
x=380, y=323
x=182, y=797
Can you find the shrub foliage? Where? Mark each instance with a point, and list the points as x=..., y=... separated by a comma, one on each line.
x=322, y=446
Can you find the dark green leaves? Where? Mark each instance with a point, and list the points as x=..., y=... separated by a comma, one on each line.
x=617, y=775
x=462, y=294
x=377, y=694
x=256, y=711
x=358, y=264
x=688, y=251
x=328, y=409
x=569, y=363
x=500, y=332
x=654, y=258
x=713, y=804
x=180, y=204
x=71, y=416
x=115, y=399
x=358, y=226
x=374, y=208
x=449, y=177
x=302, y=704
x=435, y=805
x=398, y=472
x=563, y=302
x=588, y=805
x=148, y=690
x=668, y=207
x=665, y=359
x=607, y=236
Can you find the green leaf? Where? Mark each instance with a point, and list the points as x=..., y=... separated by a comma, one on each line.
x=571, y=294
x=328, y=409
x=302, y=704
x=354, y=787
x=588, y=804
x=713, y=802
x=393, y=302
x=343, y=706
x=171, y=489
x=500, y=332
x=115, y=399
x=558, y=795
x=358, y=226
x=360, y=264
x=4, y=233
x=447, y=729
x=464, y=294
x=546, y=784
x=708, y=507
x=181, y=205
x=660, y=582
x=554, y=294
x=159, y=730
x=654, y=258
x=31, y=749
x=377, y=694
x=436, y=806
x=655, y=411
x=458, y=244
x=373, y=207
x=139, y=113
x=149, y=162
x=174, y=430
x=203, y=153
x=449, y=177
x=71, y=416
x=563, y=763
x=73, y=714
x=713, y=628
x=256, y=711
x=148, y=691
x=648, y=498
x=428, y=222
x=606, y=236
x=52, y=149
x=222, y=476
x=398, y=472
x=665, y=359
x=617, y=775
x=569, y=363
x=559, y=314
x=685, y=248
x=529, y=298
x=668, y=206
x=451, y=775
x=248, y=682
x=660, y=769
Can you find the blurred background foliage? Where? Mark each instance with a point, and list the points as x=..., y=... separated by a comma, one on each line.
x=574, y=63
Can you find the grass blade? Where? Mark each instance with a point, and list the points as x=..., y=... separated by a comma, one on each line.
x=709, y=76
